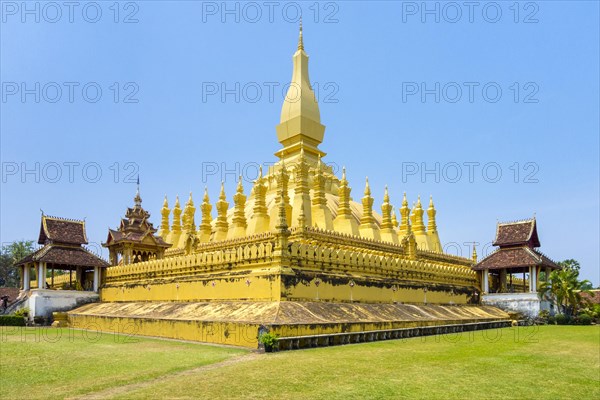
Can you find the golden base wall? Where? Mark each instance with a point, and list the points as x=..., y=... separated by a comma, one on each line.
x=238, y=322
x=256, y=285
x=315, y=266
x=318, y=283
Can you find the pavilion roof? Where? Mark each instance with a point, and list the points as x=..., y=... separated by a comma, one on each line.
x=517, y=233
x=135, y=228
x=64, y=256
x=515, y=257
x=62, y=230
x=116, y=236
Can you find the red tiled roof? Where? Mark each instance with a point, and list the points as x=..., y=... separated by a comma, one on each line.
x=12, y=293
x=64, y=256
x=514, y=257
x=593, y=296
x=137, y=237
x=60, y=230
x=517, y=233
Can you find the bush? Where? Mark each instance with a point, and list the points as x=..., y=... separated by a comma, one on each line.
x=269, y=340
x=22, y=312
x=542, y=318
x=551, y=321
x=12, y=320
x=584, y=319
x=561, y=319
x=39, y=320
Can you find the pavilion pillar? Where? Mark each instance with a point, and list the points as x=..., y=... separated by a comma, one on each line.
x=503, y=281
x=26, y=280
x=44, y=273
x=533, y=279
x=40, y=275
x=112, y=256
x=78, y=277
x=96, y=278
x=486, y=281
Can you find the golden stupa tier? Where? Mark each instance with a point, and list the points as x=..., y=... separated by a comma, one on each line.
x=312, y=192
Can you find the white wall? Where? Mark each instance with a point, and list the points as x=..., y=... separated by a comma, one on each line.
x=43, y=302
x=529, y=304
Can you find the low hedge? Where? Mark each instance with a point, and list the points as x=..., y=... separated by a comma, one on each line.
x=583, y=319
x=11, y=320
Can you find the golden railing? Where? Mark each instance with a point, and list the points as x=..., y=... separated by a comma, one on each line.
x=229, y=256
x=398, y=266
x=307, y=247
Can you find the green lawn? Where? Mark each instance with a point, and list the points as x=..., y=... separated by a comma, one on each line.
x=56, y=363
x=525, y=363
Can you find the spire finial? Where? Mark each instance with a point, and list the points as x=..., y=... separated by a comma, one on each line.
x=164, y=224
x=367, y=187
x=300, y=39
x=394, y=218
x=138, y=199
x=222, y=193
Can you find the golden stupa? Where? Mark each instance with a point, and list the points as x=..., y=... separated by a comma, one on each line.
x=296, y=256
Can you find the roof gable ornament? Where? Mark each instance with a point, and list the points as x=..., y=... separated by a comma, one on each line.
x=517, y=233
x=137, y=233
x=62, y=230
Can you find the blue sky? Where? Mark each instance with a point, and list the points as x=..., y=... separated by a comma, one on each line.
x=499, y=103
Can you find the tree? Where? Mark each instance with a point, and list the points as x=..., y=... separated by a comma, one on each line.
x=9, y=255
x=565, y=289
x=570, y=265
x=587, y=285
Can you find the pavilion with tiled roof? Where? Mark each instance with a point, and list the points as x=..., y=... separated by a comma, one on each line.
x=517, y=253
x=135, y=240
x=62, y=248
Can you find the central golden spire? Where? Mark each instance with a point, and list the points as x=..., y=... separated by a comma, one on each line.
x=300, y=39
x=300, y=123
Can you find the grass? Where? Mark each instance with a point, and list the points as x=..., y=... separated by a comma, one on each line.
x=57, y=363
x=525, y=363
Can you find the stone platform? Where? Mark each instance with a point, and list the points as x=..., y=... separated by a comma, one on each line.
x=238, y=322
x=43, y=302
x=528, y=304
